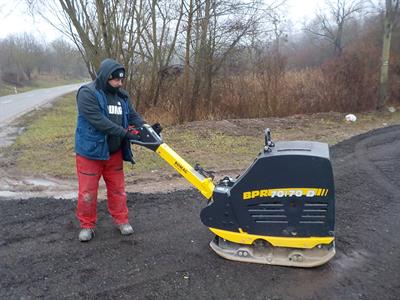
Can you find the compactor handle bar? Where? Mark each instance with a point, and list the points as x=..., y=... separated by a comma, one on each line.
x=151, y=140
x=145, y=144
x=148, y=138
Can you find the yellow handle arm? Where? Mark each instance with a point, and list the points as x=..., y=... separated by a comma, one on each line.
x=203, y=184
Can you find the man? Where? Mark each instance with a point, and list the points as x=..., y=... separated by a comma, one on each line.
x=101, y=144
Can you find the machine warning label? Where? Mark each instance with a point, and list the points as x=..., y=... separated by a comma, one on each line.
x=286, y=192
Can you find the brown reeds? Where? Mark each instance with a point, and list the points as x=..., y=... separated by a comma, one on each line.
x=346, y=84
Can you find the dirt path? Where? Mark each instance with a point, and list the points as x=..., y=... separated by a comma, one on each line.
x=169, y=258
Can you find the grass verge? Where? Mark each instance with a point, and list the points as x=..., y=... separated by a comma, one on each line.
x=39, y=83
x=46, y=147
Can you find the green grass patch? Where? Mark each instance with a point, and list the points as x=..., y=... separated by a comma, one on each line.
x=38, y=83
x=46, y=147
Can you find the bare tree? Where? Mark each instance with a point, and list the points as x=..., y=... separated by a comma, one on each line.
x=391, y=9
x=140, y=33
x=65, y=59
x=23, y=58
x=20, y=56
x=98, y=28
x=28, y=54
x=219, y=27
x=163, y=39
x=11, y=71
x=330, y=25
x=147, y=36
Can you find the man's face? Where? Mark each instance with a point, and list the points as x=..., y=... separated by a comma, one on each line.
x=116, y=82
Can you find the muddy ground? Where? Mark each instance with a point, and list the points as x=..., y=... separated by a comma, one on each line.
x=168, y=257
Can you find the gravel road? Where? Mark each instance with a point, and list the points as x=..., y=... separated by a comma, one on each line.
x=168, y=257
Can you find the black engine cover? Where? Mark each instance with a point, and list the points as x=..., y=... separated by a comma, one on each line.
x=287, y=191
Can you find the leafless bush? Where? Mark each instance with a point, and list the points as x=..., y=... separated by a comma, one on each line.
x=345, y=83
x=351, y=81
x=22, y=57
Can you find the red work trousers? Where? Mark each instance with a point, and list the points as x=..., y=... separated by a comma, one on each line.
x=89, y=173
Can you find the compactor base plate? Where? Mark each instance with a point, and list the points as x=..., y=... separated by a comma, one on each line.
x=263, y=253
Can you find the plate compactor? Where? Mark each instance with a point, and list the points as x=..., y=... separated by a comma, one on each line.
x=280, y=211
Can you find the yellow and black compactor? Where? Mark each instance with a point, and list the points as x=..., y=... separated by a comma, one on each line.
x=280, y=211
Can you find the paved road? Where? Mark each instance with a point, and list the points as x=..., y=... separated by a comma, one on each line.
x=168, y=257
x=13, y=106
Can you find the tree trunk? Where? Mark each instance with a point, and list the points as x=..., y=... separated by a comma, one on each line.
x=387, y=38
x=338, y=40
x=201, y=60
x=186, y=70
x=101, y=11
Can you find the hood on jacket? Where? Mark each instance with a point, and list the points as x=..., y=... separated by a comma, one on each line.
x=107, y=66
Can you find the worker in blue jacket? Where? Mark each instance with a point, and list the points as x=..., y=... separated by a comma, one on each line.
x=102, y=138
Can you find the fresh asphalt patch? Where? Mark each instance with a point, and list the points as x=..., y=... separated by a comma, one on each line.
x=168, y=255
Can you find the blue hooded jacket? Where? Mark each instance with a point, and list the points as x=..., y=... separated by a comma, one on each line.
x=94, y=125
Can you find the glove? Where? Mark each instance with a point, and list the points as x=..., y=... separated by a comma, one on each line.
x=132, y=129
x=131, y=136
x=157, y=128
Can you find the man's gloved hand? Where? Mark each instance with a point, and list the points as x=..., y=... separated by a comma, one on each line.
x=132, y=136
x=132, y=129
x=157, y=127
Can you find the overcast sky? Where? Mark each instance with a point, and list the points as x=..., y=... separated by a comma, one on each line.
x=14, y=18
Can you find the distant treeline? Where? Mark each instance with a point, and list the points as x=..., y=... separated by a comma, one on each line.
x=190, y=60
x=22, y=57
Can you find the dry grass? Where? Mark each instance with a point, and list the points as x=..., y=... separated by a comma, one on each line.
x=46, y=146
x=346, y=83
